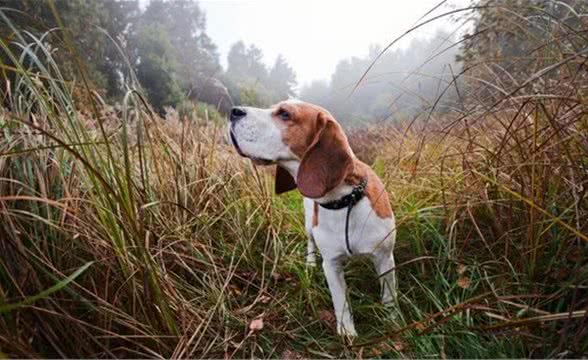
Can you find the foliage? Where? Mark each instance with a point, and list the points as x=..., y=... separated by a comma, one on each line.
x=157, y=68
x=513, y=40
x=397, y=86
x=83, y=20
x=167, y=47
x=254, y=84
x=191, y=111
x=185, y=25
x=246, y=63
x=282, y=79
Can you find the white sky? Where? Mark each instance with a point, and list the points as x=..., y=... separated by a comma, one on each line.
x=314, y=35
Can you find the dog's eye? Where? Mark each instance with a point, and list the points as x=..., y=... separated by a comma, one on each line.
x=283, y=114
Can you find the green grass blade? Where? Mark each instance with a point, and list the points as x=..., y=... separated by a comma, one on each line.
x=43, y=294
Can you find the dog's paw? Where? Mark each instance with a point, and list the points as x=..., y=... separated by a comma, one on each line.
x=392, y=312
x=389, y=300
x=347, y=331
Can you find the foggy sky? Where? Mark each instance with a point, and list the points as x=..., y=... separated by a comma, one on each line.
x=315, y=35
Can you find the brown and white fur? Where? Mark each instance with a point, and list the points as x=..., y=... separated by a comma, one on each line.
x=312, y=154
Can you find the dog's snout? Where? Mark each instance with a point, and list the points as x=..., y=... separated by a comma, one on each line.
x=237, y=113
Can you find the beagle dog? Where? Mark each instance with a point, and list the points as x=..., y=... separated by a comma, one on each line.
x=346, y=207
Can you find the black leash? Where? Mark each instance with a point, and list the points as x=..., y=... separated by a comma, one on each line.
x=349, y=202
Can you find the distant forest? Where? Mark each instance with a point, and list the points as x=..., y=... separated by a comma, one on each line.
x=401, y=83
x=163, y=49
x=163, y=46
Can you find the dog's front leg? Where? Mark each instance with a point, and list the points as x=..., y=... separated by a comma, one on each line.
x=309, y=215
x=310, y=251
x=336, y=281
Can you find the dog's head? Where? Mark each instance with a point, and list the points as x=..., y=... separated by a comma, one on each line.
x=294, y=132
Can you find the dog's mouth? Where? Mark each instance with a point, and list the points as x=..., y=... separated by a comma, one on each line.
x=255, y=160
x=235, y=143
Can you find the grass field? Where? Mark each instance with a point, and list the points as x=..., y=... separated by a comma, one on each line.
x=127, y=235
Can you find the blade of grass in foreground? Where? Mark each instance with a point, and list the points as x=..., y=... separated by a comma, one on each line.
x=43, y=294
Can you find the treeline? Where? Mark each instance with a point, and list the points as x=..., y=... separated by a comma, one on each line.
x=164, y=46
x=401, y=82
x=510, y=45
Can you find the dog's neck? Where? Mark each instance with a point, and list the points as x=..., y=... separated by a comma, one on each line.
x=291, y=166
x=340, y=191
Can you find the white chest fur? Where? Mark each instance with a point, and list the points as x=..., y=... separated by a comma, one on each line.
x=368, y=233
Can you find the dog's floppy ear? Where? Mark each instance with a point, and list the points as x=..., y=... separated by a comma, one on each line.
x=326, y=162
x=284, y=181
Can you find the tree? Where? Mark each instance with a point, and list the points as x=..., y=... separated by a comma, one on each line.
x=120, y=22
x=255, y=66
x=236, y=60
x=157, y=67
x=246, y=64
x=282, y=79
x=84, y=21
x=190, y=60
x=185, y=24
x=248, y=75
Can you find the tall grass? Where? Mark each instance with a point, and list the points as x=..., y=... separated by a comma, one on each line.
x=127, y=235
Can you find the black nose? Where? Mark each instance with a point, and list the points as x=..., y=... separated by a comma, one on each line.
x=237, y=113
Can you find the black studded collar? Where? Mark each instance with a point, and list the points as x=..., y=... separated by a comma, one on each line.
x=348, y=201
x=351, y=199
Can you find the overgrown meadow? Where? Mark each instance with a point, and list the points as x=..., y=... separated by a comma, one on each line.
x=126, y=233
